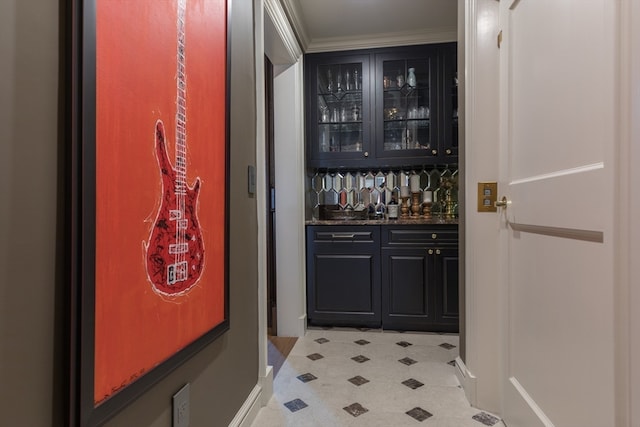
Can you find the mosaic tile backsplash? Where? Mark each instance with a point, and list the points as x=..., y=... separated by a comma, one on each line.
x=374, y=189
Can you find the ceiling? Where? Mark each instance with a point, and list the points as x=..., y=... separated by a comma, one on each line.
x=351, y=24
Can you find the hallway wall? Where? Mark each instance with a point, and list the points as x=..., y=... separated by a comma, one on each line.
x=32, y=296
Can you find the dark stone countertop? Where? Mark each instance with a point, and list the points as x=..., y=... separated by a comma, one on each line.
x=435, y=220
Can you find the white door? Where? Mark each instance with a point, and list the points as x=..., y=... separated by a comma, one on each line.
x=558, y=105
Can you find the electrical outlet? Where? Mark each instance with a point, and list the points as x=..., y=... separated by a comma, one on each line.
x=181, y=407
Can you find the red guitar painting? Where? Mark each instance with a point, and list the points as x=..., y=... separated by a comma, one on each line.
x=174, y=254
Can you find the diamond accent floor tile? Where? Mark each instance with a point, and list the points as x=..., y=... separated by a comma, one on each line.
x=407, y=361
x=355, y=409
x=362, y=342
x=447, y=346
x=412, y=383
x=398, y=372
x=358, y=380
x=486, y=419
x=360, y=359
x=419, y=414
x=305, y=378
x=452, y=363
x=295, y=405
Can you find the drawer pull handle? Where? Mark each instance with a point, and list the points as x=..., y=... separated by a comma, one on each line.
x=434, y=236
x=437, y=251
x=430, y=251
x=342, y=235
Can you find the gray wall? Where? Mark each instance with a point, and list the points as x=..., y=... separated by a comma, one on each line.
x=32, y=299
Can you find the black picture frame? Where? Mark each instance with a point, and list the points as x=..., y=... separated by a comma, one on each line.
x=79, y=69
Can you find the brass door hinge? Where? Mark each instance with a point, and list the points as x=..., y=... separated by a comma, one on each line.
x=499, y=39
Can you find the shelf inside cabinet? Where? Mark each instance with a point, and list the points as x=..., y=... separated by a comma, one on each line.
x=340, y=95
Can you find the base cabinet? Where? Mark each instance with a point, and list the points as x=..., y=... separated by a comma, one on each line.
x=343, y=276
x=446, y=273
x=406, y=294
x=394, y=277
x=420, y=278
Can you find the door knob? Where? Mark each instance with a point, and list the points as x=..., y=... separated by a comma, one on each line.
x=502, y=203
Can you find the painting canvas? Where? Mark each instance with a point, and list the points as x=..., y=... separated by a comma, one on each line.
x=154, y=151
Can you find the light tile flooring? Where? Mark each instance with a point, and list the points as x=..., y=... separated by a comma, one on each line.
x=338, y=377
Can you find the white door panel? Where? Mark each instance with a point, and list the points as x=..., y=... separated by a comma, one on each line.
x=560, y=327
x=557, y=131
x=574, y=202
x=559, y=90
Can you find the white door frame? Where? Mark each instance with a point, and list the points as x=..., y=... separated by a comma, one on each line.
x=628, y=204
x=265, y=372
x=480, y=372
x=273, y=34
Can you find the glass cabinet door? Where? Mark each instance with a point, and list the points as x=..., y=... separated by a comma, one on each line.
x=450, y=101
x=338, y=117
x=404, y=111
x=339, y=104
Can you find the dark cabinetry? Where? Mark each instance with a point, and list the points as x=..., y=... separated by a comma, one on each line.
x=397, y=277
x=343, y=275
x=382, y=107
x=420, y=277
x=338, y=107
x=449, y=114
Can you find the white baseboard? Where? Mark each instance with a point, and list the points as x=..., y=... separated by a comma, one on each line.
x=302, y=325
x=467, y=381
x=266, y=383
x=249, y=409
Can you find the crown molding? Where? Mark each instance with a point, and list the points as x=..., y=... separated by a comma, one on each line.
x=294, y=18
x=278, y=16
x=405, y=38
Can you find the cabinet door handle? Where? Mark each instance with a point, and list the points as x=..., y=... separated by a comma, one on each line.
x=430, y=251
x=366, y=154
x=342, y=235
x=434, y=236
x=448, y=151
x=434, y=152
x=437, y=251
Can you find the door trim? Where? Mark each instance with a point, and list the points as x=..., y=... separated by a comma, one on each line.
x=265, y=375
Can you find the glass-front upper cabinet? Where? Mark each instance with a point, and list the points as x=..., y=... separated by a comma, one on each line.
x=338, y=109
x=450, y=100
x=387, y=107
x=406, y=113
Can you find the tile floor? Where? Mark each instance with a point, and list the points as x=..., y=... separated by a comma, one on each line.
x=337, y=377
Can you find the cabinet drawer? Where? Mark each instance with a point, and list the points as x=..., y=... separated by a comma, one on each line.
x=367, y=234
x=446, y=234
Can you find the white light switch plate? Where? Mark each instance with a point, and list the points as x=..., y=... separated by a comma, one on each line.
x=251, y=179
